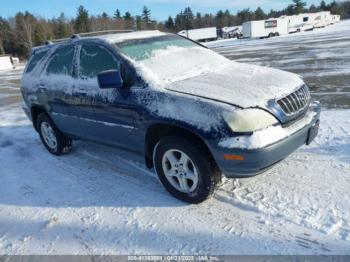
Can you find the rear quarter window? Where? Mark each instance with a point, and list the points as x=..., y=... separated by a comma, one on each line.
x=37, y=56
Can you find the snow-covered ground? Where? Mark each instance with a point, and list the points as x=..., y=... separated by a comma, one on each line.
x=101, y=200
x=321, y=56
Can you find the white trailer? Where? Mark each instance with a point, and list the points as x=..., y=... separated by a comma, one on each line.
x=299, y=23
x=200, y=35
x=5, y=62
x=335, y=19
x=322, y=19
x=265, y=28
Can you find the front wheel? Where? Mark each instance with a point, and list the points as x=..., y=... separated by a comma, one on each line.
x=53, y=139
x=185, y=169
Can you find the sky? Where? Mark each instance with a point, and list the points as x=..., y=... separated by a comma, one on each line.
x=161, y=9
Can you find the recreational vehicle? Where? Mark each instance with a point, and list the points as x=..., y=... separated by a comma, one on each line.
x=299, y=23
x=322, y=19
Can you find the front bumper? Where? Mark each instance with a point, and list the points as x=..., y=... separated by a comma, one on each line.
x=260, y=159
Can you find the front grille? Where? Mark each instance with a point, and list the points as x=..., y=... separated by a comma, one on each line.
x=296, y=101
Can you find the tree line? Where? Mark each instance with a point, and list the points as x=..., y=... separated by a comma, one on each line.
x=20, y=33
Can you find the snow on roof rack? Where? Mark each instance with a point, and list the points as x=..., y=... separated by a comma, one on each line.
x=95, y=33
x=104, y=32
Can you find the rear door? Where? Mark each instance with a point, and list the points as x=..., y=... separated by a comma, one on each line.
x=107, y=112
x=57, y=84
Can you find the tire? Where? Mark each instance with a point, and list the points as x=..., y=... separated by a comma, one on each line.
x=53, y=139
x=200, y=175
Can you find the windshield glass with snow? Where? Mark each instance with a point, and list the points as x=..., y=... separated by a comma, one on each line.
x=170, y=58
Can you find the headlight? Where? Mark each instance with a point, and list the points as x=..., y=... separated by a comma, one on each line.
x=249, y=120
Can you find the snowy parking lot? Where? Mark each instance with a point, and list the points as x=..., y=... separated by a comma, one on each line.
x=101, y=200
x=322, y=57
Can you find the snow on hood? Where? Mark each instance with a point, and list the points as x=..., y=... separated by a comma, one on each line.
x=240, y=84
x=204, y=73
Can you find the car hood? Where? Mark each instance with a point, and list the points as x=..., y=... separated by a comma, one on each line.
x=240, y=84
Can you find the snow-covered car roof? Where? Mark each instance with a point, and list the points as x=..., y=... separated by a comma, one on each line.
x=111, y=38
x=120, y=37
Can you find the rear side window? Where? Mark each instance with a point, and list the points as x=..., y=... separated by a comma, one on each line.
x=36, y=58
x=95, y=59
x=61, y=62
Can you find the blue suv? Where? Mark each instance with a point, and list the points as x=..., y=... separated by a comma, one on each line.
x=193, y=114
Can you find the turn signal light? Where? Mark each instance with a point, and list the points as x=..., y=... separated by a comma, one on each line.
x=234, y=157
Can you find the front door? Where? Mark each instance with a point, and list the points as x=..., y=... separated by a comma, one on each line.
x=107, y=112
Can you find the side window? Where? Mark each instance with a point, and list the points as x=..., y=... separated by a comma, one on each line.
x=36, y=58
x=62, y=61
x=95, y=59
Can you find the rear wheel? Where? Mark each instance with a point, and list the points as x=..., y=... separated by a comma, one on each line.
x=53, y=139
x=185, y=169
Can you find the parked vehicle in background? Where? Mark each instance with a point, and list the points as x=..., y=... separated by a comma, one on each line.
x=322, y=19
x=335, y=19
x=298, y=23
x=231, y=32
x=15, y=61
x=200, y=35
x=6, y=62
x=265, y=28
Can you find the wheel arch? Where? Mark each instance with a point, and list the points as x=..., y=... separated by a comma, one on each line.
x=156, y=131
x=35, y=111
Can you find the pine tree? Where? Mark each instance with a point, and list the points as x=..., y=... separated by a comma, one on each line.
x=220, y=17
x=323, y=6
x=198, y=23
x=138, y=22
x=39, y=35
x=129, y=20
x=4, y=31
x=259, y=14
x=313, y=8
x=188, y=18
x=170, y=25
x=117, y=14
x=146, y=15
x=82, y=23
x=298, y=6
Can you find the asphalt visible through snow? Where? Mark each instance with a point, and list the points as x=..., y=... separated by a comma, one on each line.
x=321, y=57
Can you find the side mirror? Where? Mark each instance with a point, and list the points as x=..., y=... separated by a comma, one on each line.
x=110, y=79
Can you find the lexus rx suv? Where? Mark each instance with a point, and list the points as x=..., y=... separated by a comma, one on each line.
x=193, y=114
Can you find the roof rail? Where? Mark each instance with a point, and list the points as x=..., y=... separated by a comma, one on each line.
x=104, y=32
x=58, y=40
x=95, y=33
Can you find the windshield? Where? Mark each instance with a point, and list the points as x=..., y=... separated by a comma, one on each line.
x=142, y=49
x=170, y=57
